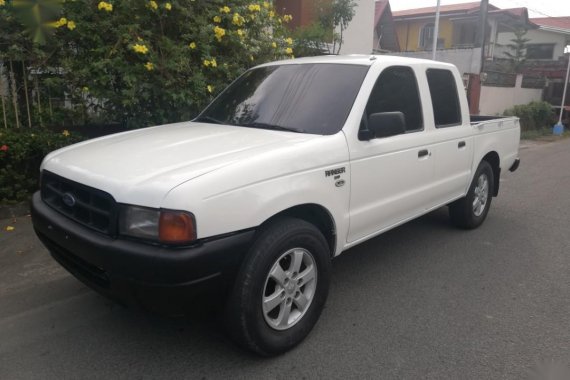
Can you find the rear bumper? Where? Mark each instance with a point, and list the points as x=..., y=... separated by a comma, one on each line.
x=515, y=165
x=132, y=272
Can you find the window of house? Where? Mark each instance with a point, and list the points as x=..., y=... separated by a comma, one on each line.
x=465, y=35
x=426, y=35
x=444, y=98
x=397, y=90
x=539, y=51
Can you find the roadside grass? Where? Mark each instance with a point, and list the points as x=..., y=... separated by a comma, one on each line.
x=544, y=134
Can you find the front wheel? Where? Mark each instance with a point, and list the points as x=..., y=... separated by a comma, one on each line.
x=281, y=287
x=470, y=211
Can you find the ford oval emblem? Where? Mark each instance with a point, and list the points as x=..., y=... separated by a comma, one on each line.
x=68, y=199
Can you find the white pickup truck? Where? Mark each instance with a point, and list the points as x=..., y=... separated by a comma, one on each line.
x=292, y=164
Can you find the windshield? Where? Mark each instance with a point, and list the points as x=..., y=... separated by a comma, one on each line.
x=308, y=98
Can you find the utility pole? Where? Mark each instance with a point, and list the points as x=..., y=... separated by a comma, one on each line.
x=559, y=128
x=435, y=32
x=481, y=35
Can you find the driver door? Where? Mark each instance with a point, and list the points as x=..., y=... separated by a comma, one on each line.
x=390, y=175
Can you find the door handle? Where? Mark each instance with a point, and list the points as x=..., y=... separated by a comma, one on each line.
x=461, y=144
x=423, y=153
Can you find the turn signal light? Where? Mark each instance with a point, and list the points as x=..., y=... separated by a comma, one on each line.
x=176, y=227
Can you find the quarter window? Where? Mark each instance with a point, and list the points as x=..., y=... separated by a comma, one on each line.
x=443, y=91
x=397, y=90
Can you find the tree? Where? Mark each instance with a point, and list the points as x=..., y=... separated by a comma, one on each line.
x=517, y=54
x=325, y=34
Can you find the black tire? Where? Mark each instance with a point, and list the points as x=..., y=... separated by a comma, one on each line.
x=245, y=318
x=461, y=212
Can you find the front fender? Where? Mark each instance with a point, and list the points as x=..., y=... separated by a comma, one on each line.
x=249, y=192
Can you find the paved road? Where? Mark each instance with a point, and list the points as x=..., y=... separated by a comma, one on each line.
x=422, y=301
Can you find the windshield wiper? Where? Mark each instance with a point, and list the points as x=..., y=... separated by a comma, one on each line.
x=272, y=127
x=209, y=119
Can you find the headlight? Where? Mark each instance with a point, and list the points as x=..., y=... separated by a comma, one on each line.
x=165, y=226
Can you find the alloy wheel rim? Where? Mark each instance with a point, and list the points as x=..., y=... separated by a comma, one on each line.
x=289, y=289
x=481, y=193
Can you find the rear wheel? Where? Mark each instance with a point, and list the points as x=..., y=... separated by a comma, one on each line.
x=470, y=211
x=281, y=287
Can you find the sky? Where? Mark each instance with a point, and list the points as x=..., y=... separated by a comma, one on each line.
x=543, y=8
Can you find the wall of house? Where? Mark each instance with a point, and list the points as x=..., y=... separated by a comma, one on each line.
x=358, y=36
x=495, y=100
x=409, y=33
x=536, y=36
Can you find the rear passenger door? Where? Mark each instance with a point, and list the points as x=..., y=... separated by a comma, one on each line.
x=389, y=175
x=453, y=142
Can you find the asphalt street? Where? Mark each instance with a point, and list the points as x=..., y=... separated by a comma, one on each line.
x=425, y=300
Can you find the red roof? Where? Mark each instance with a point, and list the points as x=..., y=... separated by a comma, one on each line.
x=465, y=7
x=553, y=22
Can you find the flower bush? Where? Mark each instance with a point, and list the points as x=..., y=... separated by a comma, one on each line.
x=21, y=153
x=146, y=62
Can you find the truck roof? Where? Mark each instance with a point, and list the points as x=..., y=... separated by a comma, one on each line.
x=358, y=59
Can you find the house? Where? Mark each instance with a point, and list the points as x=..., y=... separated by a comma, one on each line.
x=545, y=56
x=459, y=30
x=385, y=38
x=490, y=83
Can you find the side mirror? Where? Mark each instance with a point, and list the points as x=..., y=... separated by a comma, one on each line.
x=386, y=124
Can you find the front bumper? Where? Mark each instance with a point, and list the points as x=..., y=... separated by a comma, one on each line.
x=128, y=271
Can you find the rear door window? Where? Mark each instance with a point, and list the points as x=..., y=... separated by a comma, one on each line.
x=444, y=98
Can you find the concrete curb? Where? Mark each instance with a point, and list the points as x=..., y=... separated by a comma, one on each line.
x=14, y=211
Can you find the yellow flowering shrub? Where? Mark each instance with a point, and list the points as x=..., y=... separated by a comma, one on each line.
x=59, y=23
x=150, y=62
x=140, y=48
x=237, y=19
x=219, y=33
x=254, y=7
x=104, y=6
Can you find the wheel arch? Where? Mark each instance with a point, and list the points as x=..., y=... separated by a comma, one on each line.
x=317, y=215
x=493, y=159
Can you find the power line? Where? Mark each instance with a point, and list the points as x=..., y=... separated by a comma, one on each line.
x=520, y=4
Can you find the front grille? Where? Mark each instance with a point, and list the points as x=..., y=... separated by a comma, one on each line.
x=88, y=206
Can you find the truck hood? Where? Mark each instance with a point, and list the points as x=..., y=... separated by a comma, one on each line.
x=141, y=166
